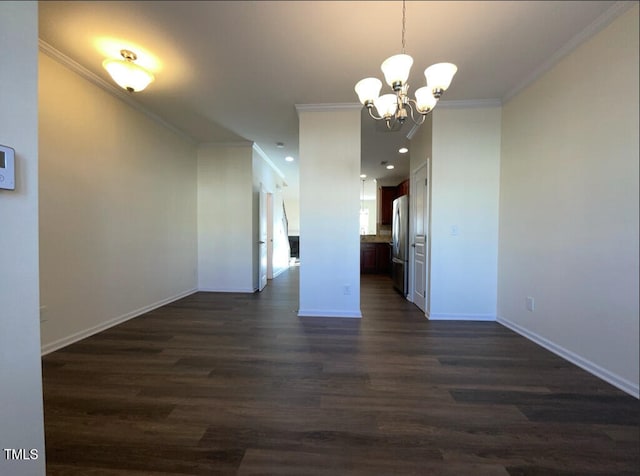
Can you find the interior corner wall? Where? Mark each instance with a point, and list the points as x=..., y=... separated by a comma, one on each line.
x=225, y=218
x=118, y=231
x=569, y=206
x=465, y=177
x=329, y=212
x=21, y=424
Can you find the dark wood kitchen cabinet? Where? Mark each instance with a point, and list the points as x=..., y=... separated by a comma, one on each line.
x=383, y=258
x=375, y=258
x=367, y=258
x=387, y=196
x=403, y=188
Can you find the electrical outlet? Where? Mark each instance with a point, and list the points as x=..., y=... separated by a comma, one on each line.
x=347, y=290
x=531, y=304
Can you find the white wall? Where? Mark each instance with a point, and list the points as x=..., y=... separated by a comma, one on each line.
x=465, y=175
x=569, y=206
x=117, y=209
x=225, y=218
x=20, y=374
x=329, y=212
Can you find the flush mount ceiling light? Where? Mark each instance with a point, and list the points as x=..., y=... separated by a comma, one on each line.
x=403, y=150
x=392, y=108
x=127, y=74
x=288, y=158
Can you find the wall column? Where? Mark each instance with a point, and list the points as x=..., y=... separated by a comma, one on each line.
x=329, y=210
x=21, y=423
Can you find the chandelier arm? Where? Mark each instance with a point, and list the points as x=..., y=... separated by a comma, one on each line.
x=422, y=118
x=369, y=109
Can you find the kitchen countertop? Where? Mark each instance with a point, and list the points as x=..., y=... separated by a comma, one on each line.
x=375, y=239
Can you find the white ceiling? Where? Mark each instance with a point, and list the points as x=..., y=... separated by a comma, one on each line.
x=233, y=71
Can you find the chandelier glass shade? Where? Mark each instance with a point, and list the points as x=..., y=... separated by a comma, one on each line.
x=127, y=74
x=396, y=108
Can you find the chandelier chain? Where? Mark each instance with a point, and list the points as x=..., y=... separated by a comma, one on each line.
x=404, y=9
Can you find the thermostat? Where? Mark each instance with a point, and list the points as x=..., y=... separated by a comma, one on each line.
x=7, y=168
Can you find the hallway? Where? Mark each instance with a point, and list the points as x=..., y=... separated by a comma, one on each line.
x=238, y=384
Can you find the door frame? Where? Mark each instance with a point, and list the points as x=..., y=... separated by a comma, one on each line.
x=262, y=239
x=427, y=232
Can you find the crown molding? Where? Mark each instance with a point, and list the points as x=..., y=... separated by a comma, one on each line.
x=328, y=107
x=266, y=158
x=64, y=60
x=617, y=9
x=243, y=143
x=249, y=144
x=469, y=104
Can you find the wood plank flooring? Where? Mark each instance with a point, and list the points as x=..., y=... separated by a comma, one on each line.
x=238, y=384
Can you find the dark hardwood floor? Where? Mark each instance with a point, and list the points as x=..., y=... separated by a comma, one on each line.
x=238, y=384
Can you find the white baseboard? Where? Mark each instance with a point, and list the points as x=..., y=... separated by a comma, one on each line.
x=585, y=364
x=65, y=341
x=227, y=290
x=328, y=313
x=441, y=316
x=279, y=272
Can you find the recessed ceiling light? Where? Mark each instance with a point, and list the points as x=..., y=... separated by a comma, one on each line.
x=288, y=158
x=363, y=175
x=390, y=167
x=280, y=145
x=403, y=150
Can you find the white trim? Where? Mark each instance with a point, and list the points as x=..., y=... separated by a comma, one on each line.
x=266, y=158
x=413, y=130
x=443, y=316
x=65, y=341
x=340, y=106
x=610, y=14
x=111, y=89
x=469, y=104
x=243, y=143
x=585, y=364
x=227, y=290
x=278, y=273
x=328, y=313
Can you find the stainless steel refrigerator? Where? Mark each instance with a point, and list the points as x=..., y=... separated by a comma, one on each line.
x=400, y=244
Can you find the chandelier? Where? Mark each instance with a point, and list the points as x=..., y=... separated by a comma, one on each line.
x=396, y=107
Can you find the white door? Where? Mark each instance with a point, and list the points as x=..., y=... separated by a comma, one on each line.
x=419, y=240
x=262, y=241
